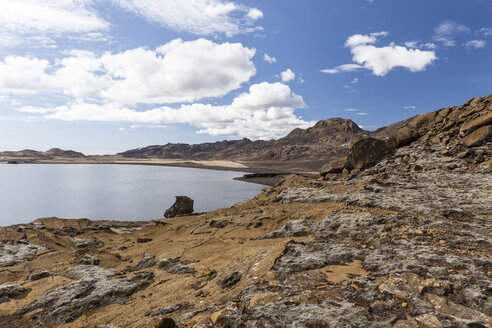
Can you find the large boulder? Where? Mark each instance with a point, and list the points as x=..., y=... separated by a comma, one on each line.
x=478, y=137
x=366, y=153
x=402, y=137
x=182, y=206
x=335, y=166
x=475, y=124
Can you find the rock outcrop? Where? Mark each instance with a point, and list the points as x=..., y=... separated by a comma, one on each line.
x=182, y=206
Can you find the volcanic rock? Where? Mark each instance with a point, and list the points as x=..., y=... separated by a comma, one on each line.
x=366, y=153
x=182, y=206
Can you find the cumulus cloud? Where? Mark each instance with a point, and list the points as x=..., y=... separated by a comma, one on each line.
x=200, y=17
x=30, y=18
x=269, y=59
x=265, y=111
x=381, y=60
x=476, y=44
x=486, y=31
x=175, y=72
x=447, y=32
x=287, y=75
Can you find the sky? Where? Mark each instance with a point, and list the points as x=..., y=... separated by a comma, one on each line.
x=104, y=76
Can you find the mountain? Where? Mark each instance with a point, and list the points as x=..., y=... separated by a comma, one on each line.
x=326, y=140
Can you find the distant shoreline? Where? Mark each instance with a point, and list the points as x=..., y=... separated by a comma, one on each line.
x=266, y=176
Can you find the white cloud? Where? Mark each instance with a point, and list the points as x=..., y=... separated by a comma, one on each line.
x=447, y=31
x=410, y=107
x=175, y=72
x=429, y=45
x=476, y=44
x=287, y=75
x=362, y=114
x=269, y=59
x=255, y=14
x=411, y=44
x=343, y=68
x=354, y=81
x=266, y=111
x=381, y=60
x=486, y=31
x=200, y=17
x=351, y=110
x=22, y=20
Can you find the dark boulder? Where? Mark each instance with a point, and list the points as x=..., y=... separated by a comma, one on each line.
x=366, y=153
x=182, y=206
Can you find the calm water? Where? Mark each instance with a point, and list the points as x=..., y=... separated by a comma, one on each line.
x=111, y=192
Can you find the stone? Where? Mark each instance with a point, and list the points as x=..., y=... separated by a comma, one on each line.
x=143, y=240
x=478, y=137
x=230, y=280
x=87, y=243
x=182, y=206
x=366, y=153
x=219, y=224
x=168, y=309
x=166, y=323
x=428, y=321
x=475, y=124
x=175, y=266
x=146, y=261
x=335, y=166
x=403, y=137
x=294, y=228
x=422, y=119
x=41, y=275
x=12, y=254
x=8, y=292
x=88, y=259
x=262, y=299
x=93, y=290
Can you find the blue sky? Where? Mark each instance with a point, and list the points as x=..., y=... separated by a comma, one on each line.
x=102, y=76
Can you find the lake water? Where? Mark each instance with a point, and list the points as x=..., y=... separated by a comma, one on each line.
x=111, y=192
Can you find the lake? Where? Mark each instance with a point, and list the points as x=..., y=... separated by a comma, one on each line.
x=112, y=192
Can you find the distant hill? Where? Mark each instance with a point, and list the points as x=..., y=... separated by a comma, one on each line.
x=326, y=140
x=53, y=153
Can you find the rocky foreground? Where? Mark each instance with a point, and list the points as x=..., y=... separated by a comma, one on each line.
x=397, y=234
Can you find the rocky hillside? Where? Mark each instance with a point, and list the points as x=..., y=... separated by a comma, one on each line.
x=397, y=234
x=326, y=140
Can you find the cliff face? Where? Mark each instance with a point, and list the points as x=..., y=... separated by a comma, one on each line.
x=401, y=240
x=326, y=140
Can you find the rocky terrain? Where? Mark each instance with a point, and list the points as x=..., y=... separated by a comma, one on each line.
x=396, y=234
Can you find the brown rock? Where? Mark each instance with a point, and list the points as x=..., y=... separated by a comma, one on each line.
x=422, y=119
x=335, y=166
x=182, y=206
x=478, y=137
x=262, y=299
x=428, y=320
x=475, y=124
x=402, y=137
x=366, y=153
